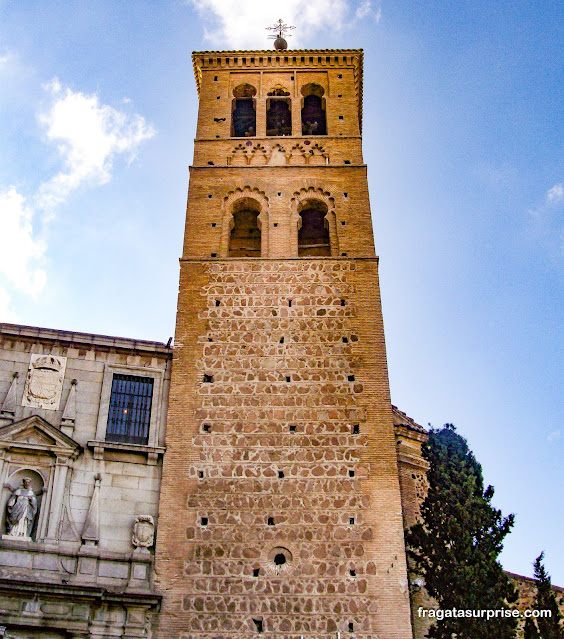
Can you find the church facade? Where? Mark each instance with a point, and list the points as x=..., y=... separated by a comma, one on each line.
x=82, y=428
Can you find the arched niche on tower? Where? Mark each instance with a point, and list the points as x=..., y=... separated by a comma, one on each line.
x=244, y=111
x=315, y=224
x=245, y=224
x=314, y=117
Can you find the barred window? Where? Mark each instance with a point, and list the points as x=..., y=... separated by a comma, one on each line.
x=129, y=414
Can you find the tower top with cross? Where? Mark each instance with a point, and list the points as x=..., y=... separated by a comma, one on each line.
x=280, y=30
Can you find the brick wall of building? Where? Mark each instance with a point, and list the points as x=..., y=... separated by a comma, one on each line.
x=280, y=507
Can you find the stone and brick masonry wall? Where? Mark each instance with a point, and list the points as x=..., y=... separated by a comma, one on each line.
x=280, y=510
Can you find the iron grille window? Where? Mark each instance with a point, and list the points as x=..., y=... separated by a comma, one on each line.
x=129, y=415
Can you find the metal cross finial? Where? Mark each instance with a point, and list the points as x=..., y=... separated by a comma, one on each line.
x=280, y=29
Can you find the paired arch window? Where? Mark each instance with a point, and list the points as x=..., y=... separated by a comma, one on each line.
x=315, y=232
x=245, y=236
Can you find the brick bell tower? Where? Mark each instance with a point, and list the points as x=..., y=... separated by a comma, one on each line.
x=280, y=509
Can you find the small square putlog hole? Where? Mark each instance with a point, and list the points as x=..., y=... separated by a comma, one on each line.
x=258, y=624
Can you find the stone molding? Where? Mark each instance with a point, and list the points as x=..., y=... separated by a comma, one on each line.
x=48, y=439
x=151, y=452
x=53, y=452
x=11, y=331
x=156, y=426
x=81, y=611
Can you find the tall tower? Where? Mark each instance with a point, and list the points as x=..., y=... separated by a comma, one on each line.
x=280, y=508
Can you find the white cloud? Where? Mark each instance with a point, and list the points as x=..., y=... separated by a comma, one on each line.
x=242, y=23
x=546, y=226
x=365, y=10
x=553, y=197
x=6, y=312
x=554, y=436
x=21, y=250
x=555, y=194
x=89, y=136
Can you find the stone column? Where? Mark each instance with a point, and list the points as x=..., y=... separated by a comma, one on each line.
x=45, y=507
x=57, y=492
x=3, y=470
x=3, y=476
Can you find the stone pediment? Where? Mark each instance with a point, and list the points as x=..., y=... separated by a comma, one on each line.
x=37, y=434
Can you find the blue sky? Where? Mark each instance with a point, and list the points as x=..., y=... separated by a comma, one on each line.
x=463, y=141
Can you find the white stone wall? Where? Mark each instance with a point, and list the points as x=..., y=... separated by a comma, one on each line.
x=91, y=492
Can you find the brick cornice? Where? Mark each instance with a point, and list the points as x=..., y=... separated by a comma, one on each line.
x=310, y=59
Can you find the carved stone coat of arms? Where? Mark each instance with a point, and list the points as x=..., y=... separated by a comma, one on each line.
x=143, y=532
x=44, y=381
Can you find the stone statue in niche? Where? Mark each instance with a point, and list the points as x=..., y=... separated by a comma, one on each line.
x=44, y=382
x=21, y=510
x=143, y=532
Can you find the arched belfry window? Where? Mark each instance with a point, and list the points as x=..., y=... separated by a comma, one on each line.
x=245, y=236
x=244, y=114
x=314, y=120
x=313, y=231
x=278, y=113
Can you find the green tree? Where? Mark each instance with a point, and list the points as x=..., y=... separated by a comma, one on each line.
x=530, y=630
x=456, y=544
x=549, y=627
